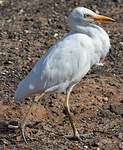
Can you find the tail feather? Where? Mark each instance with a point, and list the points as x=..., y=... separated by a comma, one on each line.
x=22, y=91
x=19, y=94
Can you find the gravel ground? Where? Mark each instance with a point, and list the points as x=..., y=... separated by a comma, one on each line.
x=27, y=29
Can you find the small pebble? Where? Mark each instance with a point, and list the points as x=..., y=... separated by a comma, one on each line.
x=121, y=43
x=105, y=99
x=120, y=135
x=1, y=1
x=117, y=108
x=121, y=145
x=56, y=34
x=85, y=146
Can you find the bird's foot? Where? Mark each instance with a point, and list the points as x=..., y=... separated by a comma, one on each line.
x=73, y=138
x=87, y=135
x=25, y=137
x=78, y=137
x=16, y=125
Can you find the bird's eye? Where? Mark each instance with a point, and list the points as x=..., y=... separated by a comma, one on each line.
x=87, y=16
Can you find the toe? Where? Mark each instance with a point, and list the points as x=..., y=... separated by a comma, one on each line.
x=73, y=138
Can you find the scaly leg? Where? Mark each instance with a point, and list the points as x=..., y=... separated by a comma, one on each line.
x=67, y=109
x=28, y=114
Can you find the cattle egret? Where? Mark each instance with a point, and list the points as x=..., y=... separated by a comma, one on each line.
x=67, y=62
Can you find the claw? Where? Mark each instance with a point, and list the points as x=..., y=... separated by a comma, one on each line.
x=74, y=138
x=78, y=137
x=23, y=133
x=26, y=137
x=88, y=135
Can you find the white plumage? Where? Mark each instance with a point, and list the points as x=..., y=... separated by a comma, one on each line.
x=69, y=60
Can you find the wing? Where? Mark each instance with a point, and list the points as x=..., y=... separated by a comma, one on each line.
x=65, y=63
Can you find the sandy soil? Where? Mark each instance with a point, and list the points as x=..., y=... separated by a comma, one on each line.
x=27, y=29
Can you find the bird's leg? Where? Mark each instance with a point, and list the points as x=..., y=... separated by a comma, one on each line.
x=76, y=135
x=28, y=114
x=67, y=109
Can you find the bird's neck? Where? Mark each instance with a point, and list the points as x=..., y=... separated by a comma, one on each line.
x=99, y=37
x=87, y=29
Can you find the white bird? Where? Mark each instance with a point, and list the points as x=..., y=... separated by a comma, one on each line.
x=68, y=61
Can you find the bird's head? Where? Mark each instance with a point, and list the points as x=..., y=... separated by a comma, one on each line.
x=84, y=15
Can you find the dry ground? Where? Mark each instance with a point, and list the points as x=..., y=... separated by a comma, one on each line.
x=27, y=29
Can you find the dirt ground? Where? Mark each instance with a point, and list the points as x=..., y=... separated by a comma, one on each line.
x=27, y=29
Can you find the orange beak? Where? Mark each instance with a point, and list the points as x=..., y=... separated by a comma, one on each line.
x=103, y=18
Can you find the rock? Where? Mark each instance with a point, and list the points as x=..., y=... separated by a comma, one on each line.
x=1, y=1
x=117, y=108
x=56, y=34
x=106, y=114
x=85, y=146
x=121, y=145
x=105, y=99
x=120, y=135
